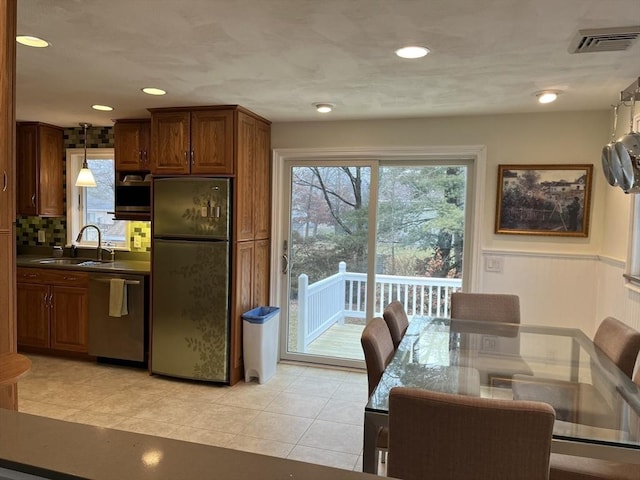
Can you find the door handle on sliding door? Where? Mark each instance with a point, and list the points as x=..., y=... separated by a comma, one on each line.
x=285, y=258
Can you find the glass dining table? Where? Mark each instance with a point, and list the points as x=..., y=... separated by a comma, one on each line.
x=560, y=366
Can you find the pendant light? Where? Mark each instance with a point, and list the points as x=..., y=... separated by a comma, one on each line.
x=85, y=177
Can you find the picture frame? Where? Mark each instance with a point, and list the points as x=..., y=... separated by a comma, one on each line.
x=544, y=199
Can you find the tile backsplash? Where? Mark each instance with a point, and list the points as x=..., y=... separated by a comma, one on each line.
x=142, y=230
x=27, y=228
x=55, y=228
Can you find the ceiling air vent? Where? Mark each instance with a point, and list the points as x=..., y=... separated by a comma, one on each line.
x=604, y=39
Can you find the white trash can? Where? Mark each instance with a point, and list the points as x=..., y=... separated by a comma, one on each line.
x=260, y=343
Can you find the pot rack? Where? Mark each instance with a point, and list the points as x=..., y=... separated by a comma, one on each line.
x=628, y=93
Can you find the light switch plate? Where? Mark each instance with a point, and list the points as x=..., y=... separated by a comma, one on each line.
x=42, y=236
x=493, y=264
x=137, y=241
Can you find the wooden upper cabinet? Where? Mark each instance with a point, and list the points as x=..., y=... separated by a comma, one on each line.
x=197, y=142
x=39, y=163
x=262, y=181
x=245, y=180
x=131, y=144
x=170, y=143
x=26, y=169
x=212, y=142
x=253, y=179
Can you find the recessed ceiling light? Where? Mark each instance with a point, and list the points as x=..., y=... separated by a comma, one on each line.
x=154, y=91
x=323, y=107
x=547, y=96
x=31, y=41
x=102, y=108
x=412, y=52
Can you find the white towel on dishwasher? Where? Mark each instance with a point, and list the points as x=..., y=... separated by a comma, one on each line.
x=117, y=297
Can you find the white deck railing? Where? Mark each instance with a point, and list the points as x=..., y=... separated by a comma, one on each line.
x=342, y=295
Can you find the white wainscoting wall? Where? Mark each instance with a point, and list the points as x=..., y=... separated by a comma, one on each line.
x=614, y=297
x=554, y=289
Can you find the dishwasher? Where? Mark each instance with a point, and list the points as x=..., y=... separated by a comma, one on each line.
x=119, y=338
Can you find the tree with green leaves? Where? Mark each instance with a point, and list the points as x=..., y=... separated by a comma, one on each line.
x=420, y=227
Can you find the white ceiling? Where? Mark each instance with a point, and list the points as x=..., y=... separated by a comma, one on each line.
x=277, y=57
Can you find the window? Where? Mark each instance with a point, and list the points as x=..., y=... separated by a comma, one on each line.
x=94, y=205
x=633, y=265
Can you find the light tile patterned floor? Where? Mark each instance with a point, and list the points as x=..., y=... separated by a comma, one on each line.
x=305, y=413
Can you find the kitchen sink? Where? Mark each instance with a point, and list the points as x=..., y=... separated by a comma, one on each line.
x=70, y=261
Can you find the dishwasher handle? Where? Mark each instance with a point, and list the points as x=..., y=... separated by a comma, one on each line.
x=108, y=280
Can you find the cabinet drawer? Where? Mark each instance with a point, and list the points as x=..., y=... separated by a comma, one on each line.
x=53, y=277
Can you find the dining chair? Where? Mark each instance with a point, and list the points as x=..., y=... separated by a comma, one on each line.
x=396, y=318
x=569, y=467
x=447, y=436
x=486, y=307
x=378, y=349
x=619, y=342
x=499, y=308
x=581, y=402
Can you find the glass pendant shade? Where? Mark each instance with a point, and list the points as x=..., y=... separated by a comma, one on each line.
x=85, y=177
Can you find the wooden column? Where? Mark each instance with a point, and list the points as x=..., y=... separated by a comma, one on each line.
x=8, y=8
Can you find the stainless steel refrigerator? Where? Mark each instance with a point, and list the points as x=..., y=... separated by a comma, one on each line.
x=190, y=278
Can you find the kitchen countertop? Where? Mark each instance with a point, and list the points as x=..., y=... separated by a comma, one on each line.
x=60, y=450
x=119, y=266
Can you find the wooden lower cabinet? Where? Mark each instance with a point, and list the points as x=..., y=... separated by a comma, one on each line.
x=251, y=287
x=52, y=309
x=33, y=315
x=243, y=302
x=261, y=271
x=69, y=315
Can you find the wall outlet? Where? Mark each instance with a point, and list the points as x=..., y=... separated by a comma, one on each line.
x=137, y=241
x=42, y=236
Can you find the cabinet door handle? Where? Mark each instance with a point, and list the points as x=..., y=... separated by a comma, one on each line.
x=6, y=181
x=185, y=158
x=45, y=299
x=145, y=157
x=192, y=159
x=140, y=159
x=126, y=282
x=68, y=277
x=33, y=200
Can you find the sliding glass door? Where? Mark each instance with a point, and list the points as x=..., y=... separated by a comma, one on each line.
x=358, y=230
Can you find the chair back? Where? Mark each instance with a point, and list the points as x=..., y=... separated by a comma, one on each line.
x=446, y=436
x=619, y=342
x=397, y=321
x=378, y=350
x=487, y=307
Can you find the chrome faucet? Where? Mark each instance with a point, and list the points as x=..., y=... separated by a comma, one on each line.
x=99, y=249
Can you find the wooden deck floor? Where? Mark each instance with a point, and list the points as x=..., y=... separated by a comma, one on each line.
x=342, y=341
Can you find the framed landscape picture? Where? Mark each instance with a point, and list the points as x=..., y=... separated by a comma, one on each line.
x=544, y=200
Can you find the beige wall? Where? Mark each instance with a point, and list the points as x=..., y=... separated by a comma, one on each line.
x=576, y=137
x=560, y=280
